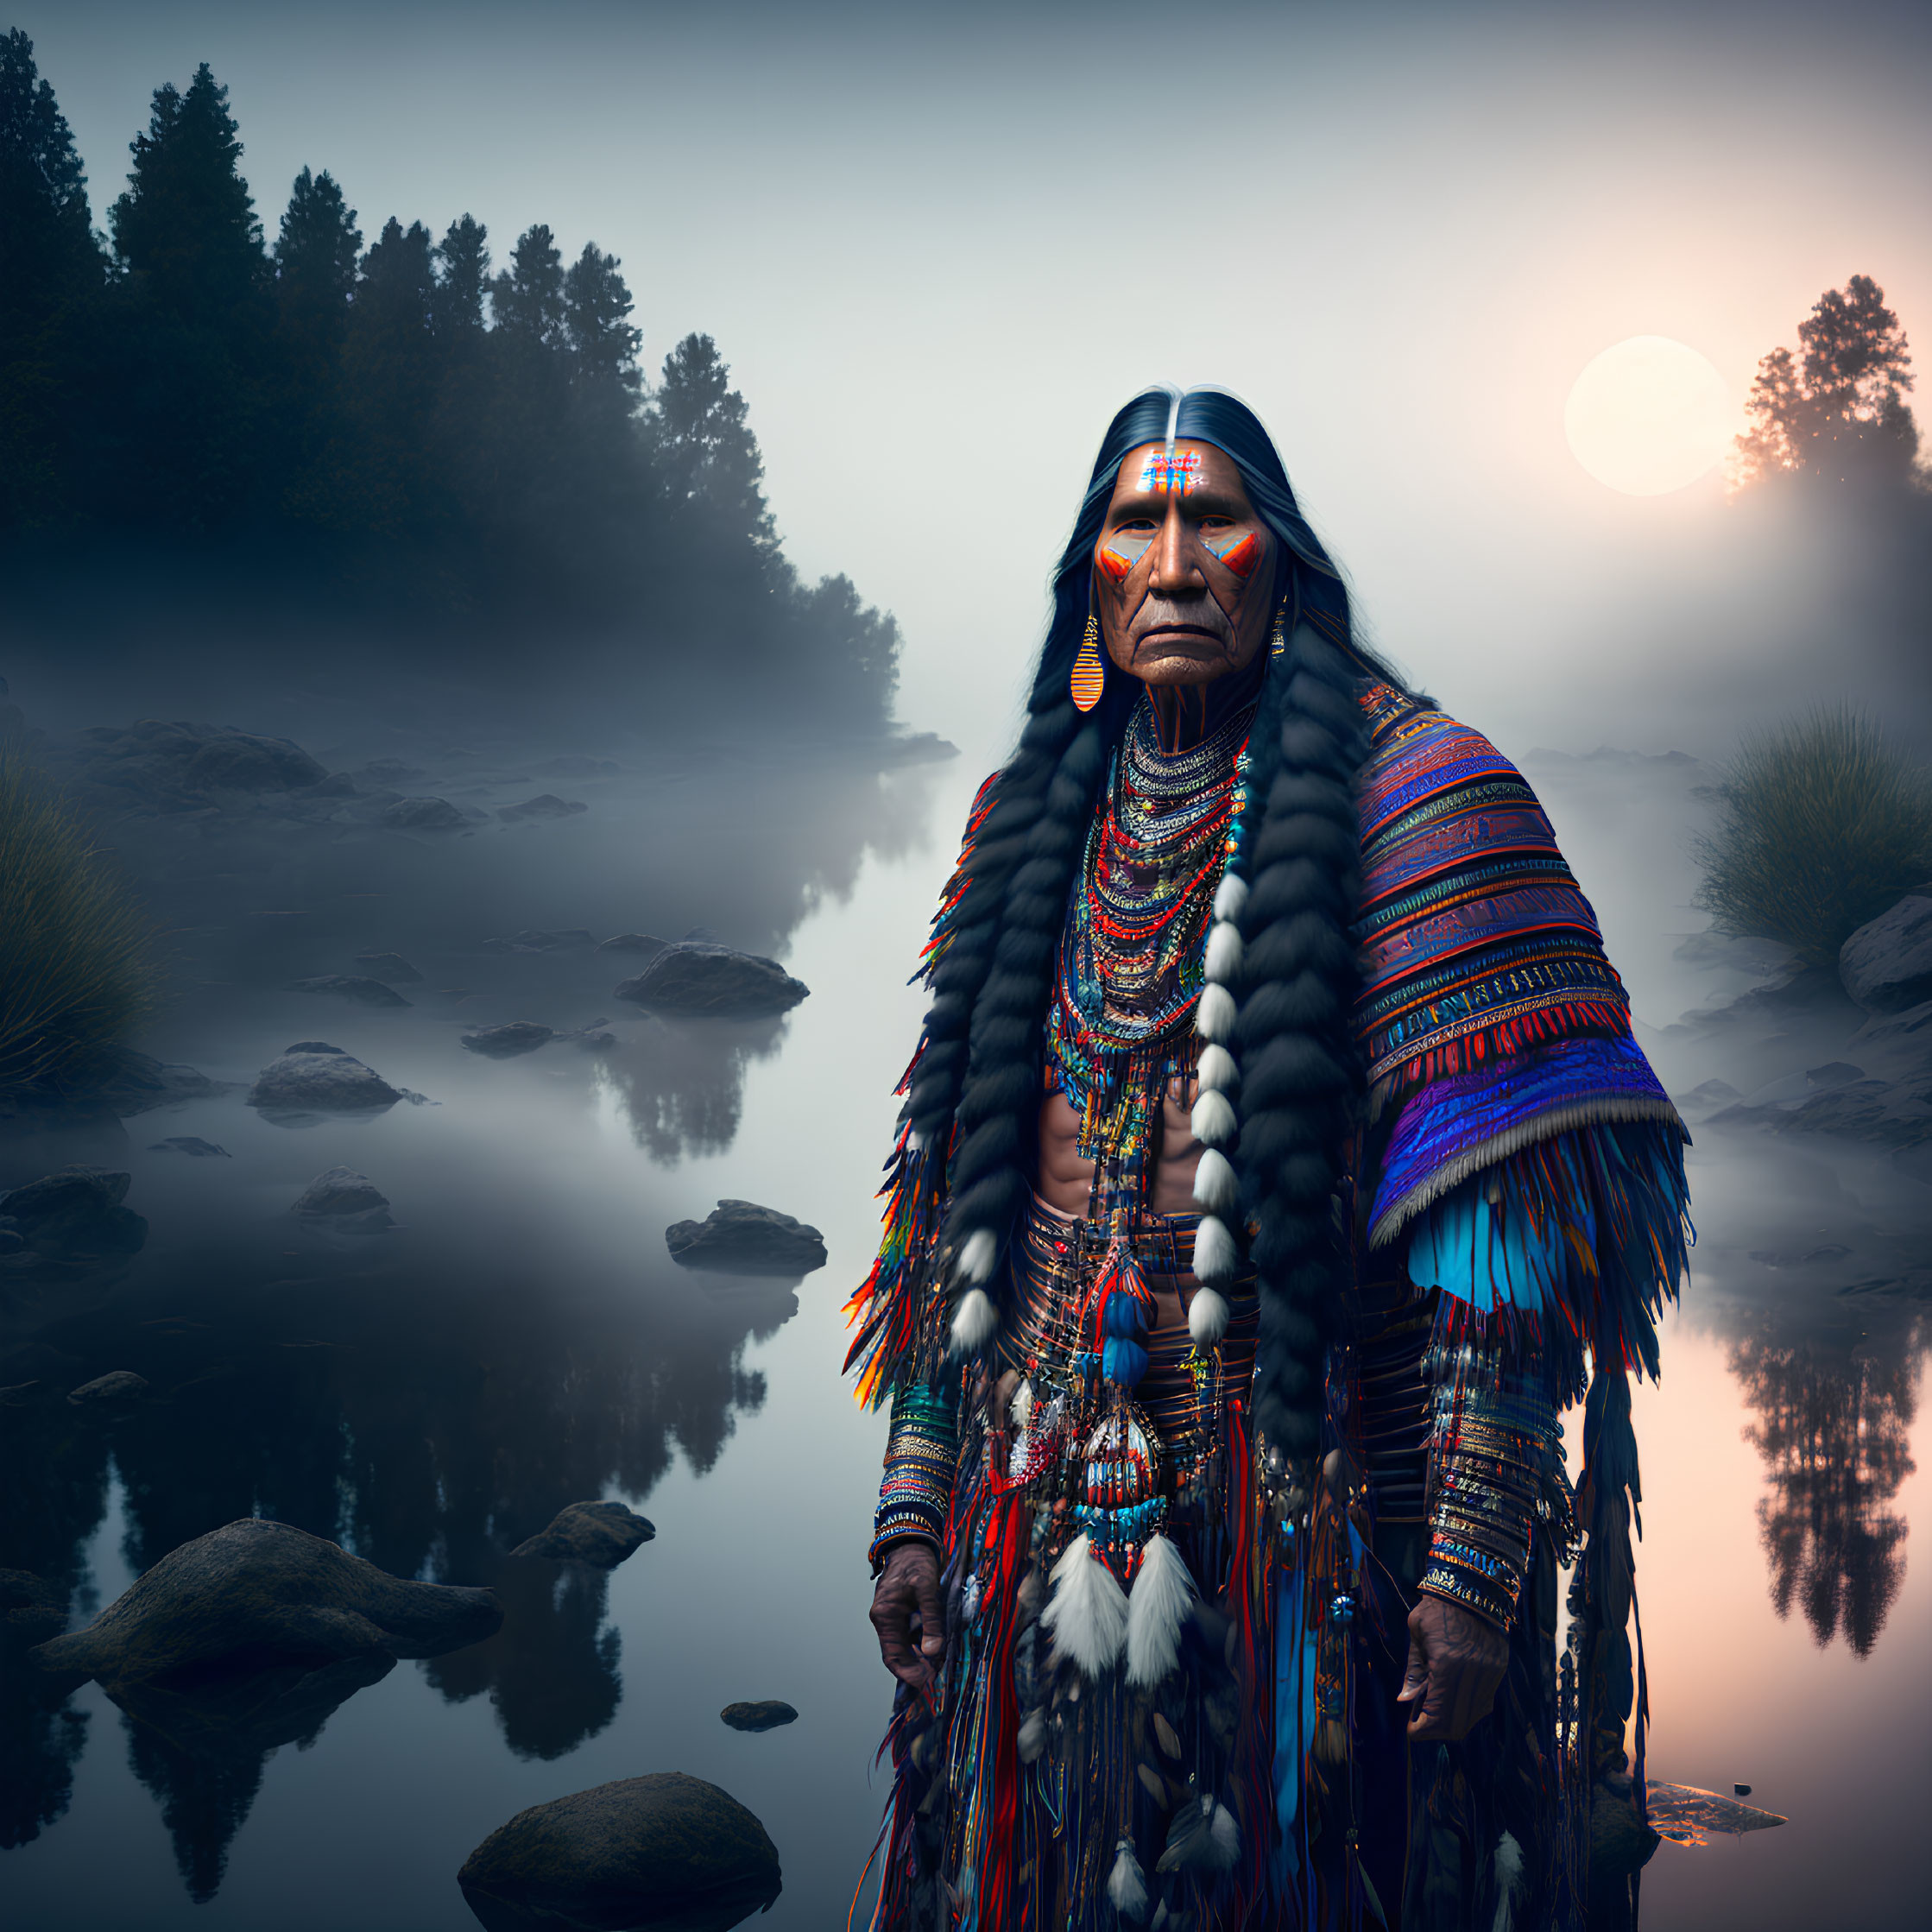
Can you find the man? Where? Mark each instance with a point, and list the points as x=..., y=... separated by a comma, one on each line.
x=1275, y=1149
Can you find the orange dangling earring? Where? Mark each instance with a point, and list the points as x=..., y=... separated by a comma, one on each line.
x=1089, y=671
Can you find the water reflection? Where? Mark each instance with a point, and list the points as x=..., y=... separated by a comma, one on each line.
x=681, y=1083
x=1832, y=1425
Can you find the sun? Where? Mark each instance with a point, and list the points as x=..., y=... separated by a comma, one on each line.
x=1648, y=416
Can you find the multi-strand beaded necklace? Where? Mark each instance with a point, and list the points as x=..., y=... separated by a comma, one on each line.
x=1130, y=971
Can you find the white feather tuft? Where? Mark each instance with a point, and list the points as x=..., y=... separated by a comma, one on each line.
x=1217, y=1072
x=1509, y=1880
x=1215, y=1187
x=973, y=1322
x=915, y=1141
x=1230, y=896
x=1162, y=1596
x=1088, y=1617
x=1216, y=1257
x=1032, y=1737
x=1223, y=962
x=1215, y=1019
x=1126, y=1888
x=976, y=1258
x=1225, y=1838
x=1213, y=1119
x=1207, y=1317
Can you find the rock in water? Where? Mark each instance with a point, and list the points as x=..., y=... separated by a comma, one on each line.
x=118, y=1389
x=1887, y=965
x=696, y=976
x=257, y=1592
x=133, y=1083
x=424, y=815
x=632, y=941
x=391, y=968
x=507, y=1041
x=342, y=1195
x=766, y=1716
x=600, y=1534
x=530, y=940
x=547, y=805
x=739, y=1237
x=350, y=986
x=74, y=1213
x=667, y=1852
x=31, y=1608
x=312, y=1078
x=189, y=1144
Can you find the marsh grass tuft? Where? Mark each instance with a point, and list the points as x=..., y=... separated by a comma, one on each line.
x=1825, y=827
x=77, y=964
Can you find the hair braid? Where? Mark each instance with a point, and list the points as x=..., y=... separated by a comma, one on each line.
x=1300, y=1071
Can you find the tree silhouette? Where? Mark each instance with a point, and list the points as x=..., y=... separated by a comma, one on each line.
x=49, y=262
x=1836, y=410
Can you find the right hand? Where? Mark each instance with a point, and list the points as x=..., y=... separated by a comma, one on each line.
x=909, y=1586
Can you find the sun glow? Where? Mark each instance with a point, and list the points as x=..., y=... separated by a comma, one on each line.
x=1648, y=416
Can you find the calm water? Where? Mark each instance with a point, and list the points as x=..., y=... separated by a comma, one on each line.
x=520, y=1341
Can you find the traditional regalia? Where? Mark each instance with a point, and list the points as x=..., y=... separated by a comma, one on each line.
x=1176, y=1568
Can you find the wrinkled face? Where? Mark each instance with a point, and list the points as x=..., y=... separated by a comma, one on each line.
x=1183, y=569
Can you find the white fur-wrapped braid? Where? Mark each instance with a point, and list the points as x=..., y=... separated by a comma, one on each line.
x=1216, y=1071
x=1217, y=1188
x=978, y=1258
x=1207, y=1317
x=1162, y=1597
x=1216, y=1257
x=1222, y=962
x=973, y=1322
x=1214, y=1018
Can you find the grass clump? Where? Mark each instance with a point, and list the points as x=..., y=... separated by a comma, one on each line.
x=76, y=960
x=1825, y=827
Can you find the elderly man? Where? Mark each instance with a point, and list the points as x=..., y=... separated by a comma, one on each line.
x=1275, y=1149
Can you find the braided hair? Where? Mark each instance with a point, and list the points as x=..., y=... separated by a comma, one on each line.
x=978, y=1082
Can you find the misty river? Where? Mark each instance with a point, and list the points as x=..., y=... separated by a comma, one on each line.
x=520, y=1340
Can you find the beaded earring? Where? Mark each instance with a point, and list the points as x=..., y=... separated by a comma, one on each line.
x=1089, y=670
x=1278, y=642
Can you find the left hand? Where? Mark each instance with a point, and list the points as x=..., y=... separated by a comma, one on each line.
x=1457, y=1662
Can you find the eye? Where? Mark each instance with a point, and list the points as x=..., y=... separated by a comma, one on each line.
x=1217, y=523
x=1138, y=524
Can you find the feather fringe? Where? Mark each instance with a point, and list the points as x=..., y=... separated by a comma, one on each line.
x=1087, y=1618
x=1162, y=1597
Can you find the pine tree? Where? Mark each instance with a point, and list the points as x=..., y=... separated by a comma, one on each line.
x=315, y=264
x=462, y=278
x=187, y=225
x=527, y=300
x=1836, y=411
x=596, y=311
x=706, y=450
x=50, y=265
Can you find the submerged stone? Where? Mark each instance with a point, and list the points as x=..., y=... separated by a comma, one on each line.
x=314, y=1077
x=600, y=1534
x=699, y=977
x=506, y=1042
x=765, y=1716
x=740, y=1237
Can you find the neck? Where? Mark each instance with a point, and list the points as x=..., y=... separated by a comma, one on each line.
x=1186, y=715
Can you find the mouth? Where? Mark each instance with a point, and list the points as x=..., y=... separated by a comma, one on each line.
x=1171, y=634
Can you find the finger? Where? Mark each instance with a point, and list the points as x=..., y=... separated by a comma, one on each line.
x=1416, y=1676
x=1431, y=1716
x=890, y=1620
x=933, y=1614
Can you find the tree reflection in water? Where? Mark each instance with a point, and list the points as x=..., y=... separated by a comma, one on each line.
x=681, y=1082
x=1832, y=1427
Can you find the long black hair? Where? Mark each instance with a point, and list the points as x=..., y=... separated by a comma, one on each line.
x=978, y=1082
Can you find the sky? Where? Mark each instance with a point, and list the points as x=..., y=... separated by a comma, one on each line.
x=939, y=245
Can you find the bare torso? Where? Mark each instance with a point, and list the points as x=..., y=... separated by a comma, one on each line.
x=1065, y=1181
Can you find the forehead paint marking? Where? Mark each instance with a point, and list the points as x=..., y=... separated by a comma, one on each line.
x=1240, y=554
x=1174, y=473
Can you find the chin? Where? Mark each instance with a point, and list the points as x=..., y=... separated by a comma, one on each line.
x=1183, y=670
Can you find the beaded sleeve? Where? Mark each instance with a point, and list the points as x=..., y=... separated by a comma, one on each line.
x=921, y=1454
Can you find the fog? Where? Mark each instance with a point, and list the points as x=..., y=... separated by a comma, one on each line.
x=939, y=246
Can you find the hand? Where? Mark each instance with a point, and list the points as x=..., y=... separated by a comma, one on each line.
x=1457, y=1662
x=909, y=1586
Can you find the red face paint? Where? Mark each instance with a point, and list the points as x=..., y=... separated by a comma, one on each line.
x=1240, y=554
x=1121, y=551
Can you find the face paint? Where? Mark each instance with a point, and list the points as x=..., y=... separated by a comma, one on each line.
x=1239, y=553
x=1120, y=551
x=1172, y=472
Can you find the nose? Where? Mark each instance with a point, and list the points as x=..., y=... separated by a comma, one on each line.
x=1176, y=570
